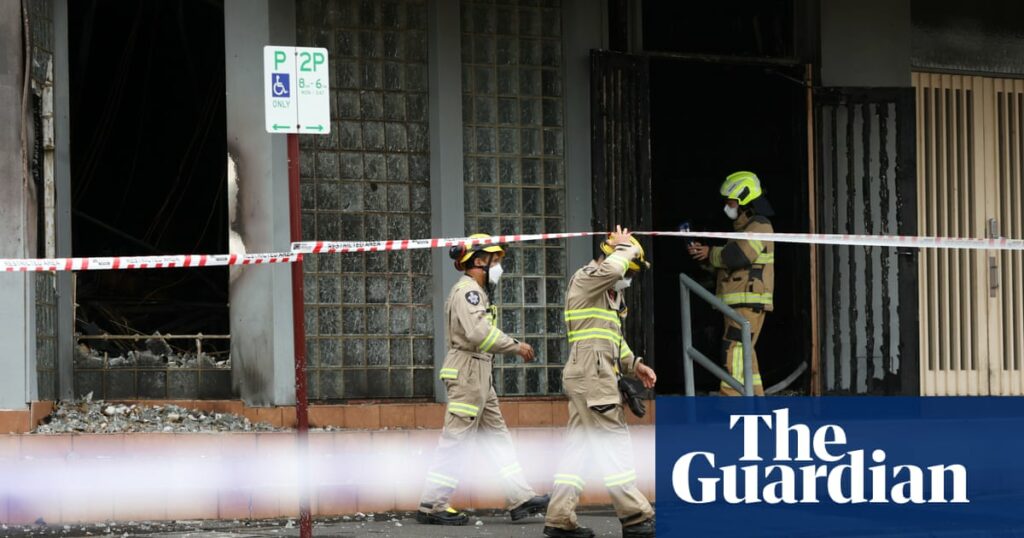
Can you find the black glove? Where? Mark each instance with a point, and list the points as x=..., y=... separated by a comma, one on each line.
x=632, y=397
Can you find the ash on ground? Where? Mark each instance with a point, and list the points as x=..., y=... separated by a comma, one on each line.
x=97, y=416
x=213, y=528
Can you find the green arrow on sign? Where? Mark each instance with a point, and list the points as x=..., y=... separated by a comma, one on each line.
x=278, y=127
x=315, y=127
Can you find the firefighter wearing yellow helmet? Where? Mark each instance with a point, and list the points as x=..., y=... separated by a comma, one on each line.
x=745, y=271
x=473, y=337
x=598, y=354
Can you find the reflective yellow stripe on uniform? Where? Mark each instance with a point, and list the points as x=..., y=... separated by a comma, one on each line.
x=716, y=256
x=596, y=332
x=620, y=479
x=624, y=351
x=746, y=298
x=443, y=480
x=593, y=313
x=449, y=373
x=488, y=342
x=620, y=259
x=510, y=470
x=756, y=245
x=765, y=259
x=461, y=408
x=573, y=480
x=737, y=367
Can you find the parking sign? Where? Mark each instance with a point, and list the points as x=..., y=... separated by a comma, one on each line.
x=297, y=90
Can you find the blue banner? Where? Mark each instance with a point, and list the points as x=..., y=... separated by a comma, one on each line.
x=840, y=466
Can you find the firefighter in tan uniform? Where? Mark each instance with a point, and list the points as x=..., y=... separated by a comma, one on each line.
x=472, y=338
x=598, y=354
x=745, y=272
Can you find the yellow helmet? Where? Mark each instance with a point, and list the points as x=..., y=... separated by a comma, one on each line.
x=744, y=187
x=635, y=264
x=462, y=252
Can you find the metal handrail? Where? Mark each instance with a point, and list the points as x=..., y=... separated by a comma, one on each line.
x=686, y=285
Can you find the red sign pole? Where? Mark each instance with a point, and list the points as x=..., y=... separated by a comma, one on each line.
x=299, y=330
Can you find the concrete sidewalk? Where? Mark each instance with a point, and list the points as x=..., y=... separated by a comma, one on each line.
x=489, y=524
x=603, y=525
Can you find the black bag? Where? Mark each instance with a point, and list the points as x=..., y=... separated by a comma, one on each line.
x=631, y=395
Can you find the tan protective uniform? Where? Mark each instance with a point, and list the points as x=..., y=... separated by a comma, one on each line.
x=597, y=429
x=746, y=277
x=472, y=337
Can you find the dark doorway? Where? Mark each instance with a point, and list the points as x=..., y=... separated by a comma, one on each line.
x=748, y=28
x=148, y=170
x=708, y=120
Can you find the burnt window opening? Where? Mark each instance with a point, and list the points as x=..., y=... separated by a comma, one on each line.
x=148, y=176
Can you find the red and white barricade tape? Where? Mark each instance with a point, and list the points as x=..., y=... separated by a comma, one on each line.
x=896, y=241
x=326, y=247
x=144, y=262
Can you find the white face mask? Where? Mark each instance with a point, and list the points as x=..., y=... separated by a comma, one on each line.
x=732, y=212
x=622, y=284
x=494, y=274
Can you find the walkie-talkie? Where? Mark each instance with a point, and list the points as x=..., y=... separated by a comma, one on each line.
x=685, y=227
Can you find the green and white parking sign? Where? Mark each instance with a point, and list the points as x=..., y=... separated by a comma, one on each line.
x=296, y=90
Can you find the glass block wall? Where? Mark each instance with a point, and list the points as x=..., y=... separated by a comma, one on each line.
x=369, y=323
x=514, y=171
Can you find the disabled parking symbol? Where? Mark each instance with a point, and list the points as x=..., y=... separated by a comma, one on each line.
x=280, y=88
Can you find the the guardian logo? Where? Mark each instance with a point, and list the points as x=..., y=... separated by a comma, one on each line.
x=826, y=473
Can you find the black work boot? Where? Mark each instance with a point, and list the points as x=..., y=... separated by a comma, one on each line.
x=538, y=503
x=450, y=516
x=578, y=532
x=643, y=529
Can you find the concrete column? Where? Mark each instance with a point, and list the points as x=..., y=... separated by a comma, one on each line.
x=584, y=23
x=262, y=350
x=447, y=200
x=62, y=177
x=17, y=343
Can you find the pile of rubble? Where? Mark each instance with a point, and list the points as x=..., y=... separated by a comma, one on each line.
x=88, y=416
x=158, y=354
x=86, y=358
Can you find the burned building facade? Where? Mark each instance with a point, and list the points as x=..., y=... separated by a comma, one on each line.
x=452, y=117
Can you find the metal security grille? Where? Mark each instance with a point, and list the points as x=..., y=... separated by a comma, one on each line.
x=970, y=182
x=953, y=337
x=859, y=190
x=46, y=334
x=1009, y=110
x=867, y=186
x=369, y=324
x=512, y=109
